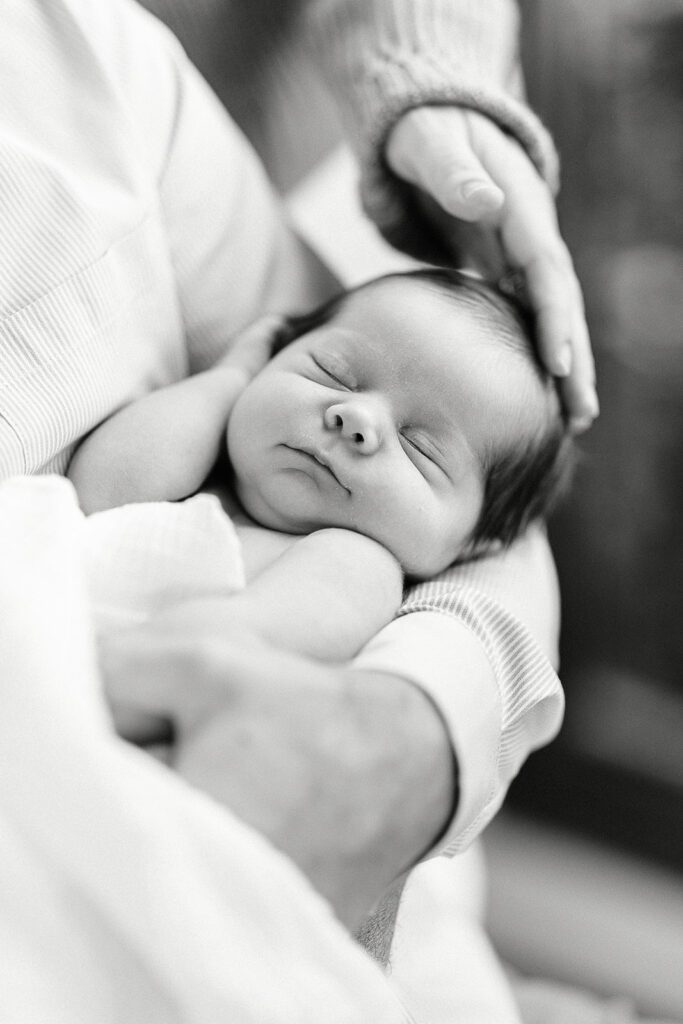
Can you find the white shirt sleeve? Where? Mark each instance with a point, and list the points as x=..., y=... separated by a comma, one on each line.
x=143, y=232
x=499, y=695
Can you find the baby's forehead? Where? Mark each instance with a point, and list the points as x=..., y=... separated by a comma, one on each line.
x=399, y=291
x=413, y=322
x=444, y=353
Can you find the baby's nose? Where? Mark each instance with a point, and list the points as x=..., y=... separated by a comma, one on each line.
x=357, y=422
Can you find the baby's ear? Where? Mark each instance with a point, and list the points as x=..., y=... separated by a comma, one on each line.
x=251, y=349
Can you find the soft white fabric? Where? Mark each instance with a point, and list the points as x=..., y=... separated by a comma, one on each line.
x=114, y=869
x=443, y=965
x=139, y=227
x=142, y=558
x=125, y=894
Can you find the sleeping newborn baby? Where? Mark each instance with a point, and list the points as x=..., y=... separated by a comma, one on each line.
x=410, y=412
x=402, y=426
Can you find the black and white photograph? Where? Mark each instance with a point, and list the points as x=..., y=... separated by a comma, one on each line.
x=341, y=570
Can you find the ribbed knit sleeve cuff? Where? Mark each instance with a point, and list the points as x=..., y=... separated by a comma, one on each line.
x=383, y=58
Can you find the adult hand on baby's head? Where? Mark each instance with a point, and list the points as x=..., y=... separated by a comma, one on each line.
x=490, y=205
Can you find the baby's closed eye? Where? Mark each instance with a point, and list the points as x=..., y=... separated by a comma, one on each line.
x=422, y=446
x=335, y=370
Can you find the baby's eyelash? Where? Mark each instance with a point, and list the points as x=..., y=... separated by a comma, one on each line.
x=328, y=373
x=418, y=448
x=426, y=450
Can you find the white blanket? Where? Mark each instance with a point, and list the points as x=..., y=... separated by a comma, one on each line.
x=125, y=895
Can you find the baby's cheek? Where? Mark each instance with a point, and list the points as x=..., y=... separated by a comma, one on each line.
x=435, y=539
x=417, y=546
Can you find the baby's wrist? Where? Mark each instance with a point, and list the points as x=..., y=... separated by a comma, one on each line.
x=221, y=386
x=230, y=376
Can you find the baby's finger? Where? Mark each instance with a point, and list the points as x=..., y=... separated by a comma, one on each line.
x=430, y=147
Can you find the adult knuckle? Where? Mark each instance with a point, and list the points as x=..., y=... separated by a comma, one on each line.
x=551, y=257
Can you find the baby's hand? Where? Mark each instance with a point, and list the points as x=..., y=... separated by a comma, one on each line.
x=252, y=348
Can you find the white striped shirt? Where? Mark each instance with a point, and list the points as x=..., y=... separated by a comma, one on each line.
x=135, y=233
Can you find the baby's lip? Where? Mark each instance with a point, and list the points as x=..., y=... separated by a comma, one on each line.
x=322, y=458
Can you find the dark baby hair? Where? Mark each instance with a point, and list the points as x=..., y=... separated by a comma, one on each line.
x=523, y=479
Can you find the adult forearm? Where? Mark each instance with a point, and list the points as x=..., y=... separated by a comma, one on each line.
x=409, y=785
x=349, y=772
x=391, y=792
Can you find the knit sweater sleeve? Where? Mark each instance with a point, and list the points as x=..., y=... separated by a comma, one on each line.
x=383, y=58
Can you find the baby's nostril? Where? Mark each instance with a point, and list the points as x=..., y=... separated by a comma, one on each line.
x=358, y=438
x=338, y=421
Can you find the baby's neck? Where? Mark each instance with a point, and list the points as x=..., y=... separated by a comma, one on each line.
x=260, y=546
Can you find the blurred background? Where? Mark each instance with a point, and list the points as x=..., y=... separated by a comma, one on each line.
x=587, y=860
x=607, y=78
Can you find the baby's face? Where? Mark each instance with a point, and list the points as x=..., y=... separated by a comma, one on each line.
x=379, y=422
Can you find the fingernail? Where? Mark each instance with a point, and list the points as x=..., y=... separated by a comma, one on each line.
x=482, y=194
x=562, y=361
x=593, y=404
x=577, y=424
x=581, y=422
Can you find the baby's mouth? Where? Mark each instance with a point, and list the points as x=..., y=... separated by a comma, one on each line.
x=322, y=460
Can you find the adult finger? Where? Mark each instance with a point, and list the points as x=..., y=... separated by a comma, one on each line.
x=430, y=147
x=546, y=277
x=158, y=672
x=534, y=246
x=578, y=387
x=563, y=338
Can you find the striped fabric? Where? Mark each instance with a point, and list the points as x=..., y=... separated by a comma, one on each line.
x=530, y=700
x=503, y=698
x=137, y=231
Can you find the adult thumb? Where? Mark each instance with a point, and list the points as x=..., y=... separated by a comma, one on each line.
x=431, y=148
x=468, y=193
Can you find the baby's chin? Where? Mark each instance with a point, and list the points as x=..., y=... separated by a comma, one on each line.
x=266, y=514
x=417, y=565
